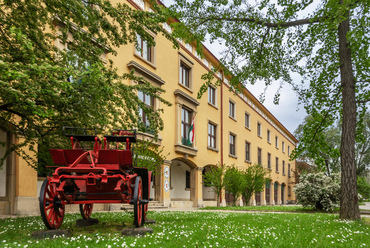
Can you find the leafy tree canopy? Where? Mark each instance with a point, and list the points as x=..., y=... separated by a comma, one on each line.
x=325, y=43
x=44, y=87
x=329, y=154
x=214, y=179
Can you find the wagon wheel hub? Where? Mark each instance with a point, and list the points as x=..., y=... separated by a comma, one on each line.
x=57, y=203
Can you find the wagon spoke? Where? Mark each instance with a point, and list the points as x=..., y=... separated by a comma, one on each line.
x=49, y=207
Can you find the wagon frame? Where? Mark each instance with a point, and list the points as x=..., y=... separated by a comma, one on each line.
x=99, y=175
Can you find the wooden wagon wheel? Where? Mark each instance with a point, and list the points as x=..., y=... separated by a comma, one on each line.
x=51, y=205
x=138, y=207
x=86, y=210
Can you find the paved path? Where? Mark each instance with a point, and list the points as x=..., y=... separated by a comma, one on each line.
x=365, y=207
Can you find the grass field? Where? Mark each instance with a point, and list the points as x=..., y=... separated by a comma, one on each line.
x=197, y=229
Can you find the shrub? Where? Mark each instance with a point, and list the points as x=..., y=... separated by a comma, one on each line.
x=363, y=188
x=213, y=179
x=255, y=178
x=318, y=191
x=234, y=182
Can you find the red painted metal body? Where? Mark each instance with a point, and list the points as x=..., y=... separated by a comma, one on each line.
x=95, y=176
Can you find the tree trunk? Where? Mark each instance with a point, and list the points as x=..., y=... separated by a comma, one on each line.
x=349, y=208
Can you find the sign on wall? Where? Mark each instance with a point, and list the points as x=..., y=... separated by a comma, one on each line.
x=166, y=176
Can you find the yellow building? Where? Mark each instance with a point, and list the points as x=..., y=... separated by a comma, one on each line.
x=228, y=128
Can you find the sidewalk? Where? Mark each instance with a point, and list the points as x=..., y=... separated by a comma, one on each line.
x=365, y=207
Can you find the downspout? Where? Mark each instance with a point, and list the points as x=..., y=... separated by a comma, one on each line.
x=222, y=131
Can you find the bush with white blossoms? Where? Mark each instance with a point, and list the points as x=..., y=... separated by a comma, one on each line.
x=318, y=190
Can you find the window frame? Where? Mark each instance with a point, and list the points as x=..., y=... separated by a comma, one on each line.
x=211, y=137
x=152, y=104
x=232, y=109
x=150, y=50
x=247, y=151
x=259, y=156
x=277, y=165
x=289, y=175
x=283, y=167
x=268, y=136
x=232, y=144
x=276, y=142
x=212, y=95
x=259, y=129
x=184, y=132
x=269, y=161
x=187, y=180
x=247, y=120
x=185, y=63
x=184, y=75
x=283, y=146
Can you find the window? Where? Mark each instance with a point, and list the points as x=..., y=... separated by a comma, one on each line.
x=187, y=182
x=185, y=126
x=232, y=142
x=184, y=75
x=143, y=49
x=185, y=72
x=269, y=161
x=247, y=120
x=289, y=190
x=259, y=129
x=247, y=151
x=211, y=135
x=259, y=156
x=268, y=136
x=283, y=146
x=277, y=142
x=283, y=167
x=212, y=95
x=149, y=101
x=288, y=150
x=277, y=164
x=232, y=109
x=288, y=170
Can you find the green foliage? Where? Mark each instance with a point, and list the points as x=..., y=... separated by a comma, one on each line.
x=148, y=155
x=233, y=182
x=316, y=190
x=195, y=228
x=246, y=182
x=327, y=152
x=363, y=187
x=363, y=147
x=213, y=178
x=255, y=178
x=325, y=44
x=45, y=88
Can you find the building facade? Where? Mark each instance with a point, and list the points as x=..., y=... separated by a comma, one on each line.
x=235, y=129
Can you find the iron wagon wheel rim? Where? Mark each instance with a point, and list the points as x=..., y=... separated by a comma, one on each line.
x=86, y=210
x=138, y=207
x=51, y=205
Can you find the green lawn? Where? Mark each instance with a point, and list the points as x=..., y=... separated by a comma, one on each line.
x=277, y=208
x=197, y=229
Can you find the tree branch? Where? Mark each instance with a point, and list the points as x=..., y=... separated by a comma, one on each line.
x=363, y=101
x=265, y=23
x=262, y=43
x=327, y=114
